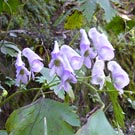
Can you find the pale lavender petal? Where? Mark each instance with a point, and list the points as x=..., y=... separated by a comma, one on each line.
x=19, y=61
x=56, y=50
x=18, y=80
x=66, y=64
x=106, y=53
x=98, y=76
x=104, y=42
x=34, y=61
x=72, y=56
x=66, y=78
x=93, y=53
x=84, y=43
x=24, y=79
x=119, y=76
x=76, y=63
x=22, y=74
x=36, y=66
x=52, y=70
x=101, y=44
x=99, y=79
x=94, y=35
x=87, y=62
x=30, y=55
x=67, y=86
x=98, y=66
x=113, y=65
x=56, y=64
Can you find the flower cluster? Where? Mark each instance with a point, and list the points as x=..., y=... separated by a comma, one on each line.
x=23, y=75
x=66, y=60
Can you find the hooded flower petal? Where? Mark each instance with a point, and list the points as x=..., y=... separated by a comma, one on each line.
x=119, y=76
x=98, y=76
x=36, y=66
x=30, y=55
x=72, y=56
x=84, y=43
x=34, y=61
x=22, y=74
x=86, y=52
x=56, y=50
x=56, y=63
x=102, y=45
x=106, y=53
x=19, y=62
x=68, y=75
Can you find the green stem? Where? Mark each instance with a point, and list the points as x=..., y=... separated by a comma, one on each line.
x=16, y=93
x=74, y=38
x=94, y=91
x=25, y=91
x=125, y=91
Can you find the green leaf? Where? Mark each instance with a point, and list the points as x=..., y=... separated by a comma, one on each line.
x=53, y=79
x=109, y=11
x=1, y=5
x=11, y=5
x=117, y=25
x=74, y=21
x=33, y=119
x=118, y=112
x=89, y=7
x=97, y=124
x=3, y=132
x=9, y=48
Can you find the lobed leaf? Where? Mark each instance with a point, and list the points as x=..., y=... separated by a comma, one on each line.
x=109, y=11
x=9, y=48
x=43, y=114
x=97, y=124
x=89, y=7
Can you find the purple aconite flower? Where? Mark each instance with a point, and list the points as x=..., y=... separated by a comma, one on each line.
x=119, y=76
x=101, y=44
x=34, y=61
x=56, y=63
x=22, y=74
x=86, y=52
x=73, y=57
x=98, y=76
x=68, y=76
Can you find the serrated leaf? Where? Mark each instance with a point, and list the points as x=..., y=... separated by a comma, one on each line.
x=3, y=132
x=88, y=8
x=97, y=124
x=9, y=48
x=118, y=112
x=109, y=11
x=46, y=74
x=29, y=120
